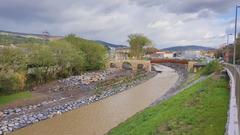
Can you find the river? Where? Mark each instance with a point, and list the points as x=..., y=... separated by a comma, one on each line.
x=99, y=117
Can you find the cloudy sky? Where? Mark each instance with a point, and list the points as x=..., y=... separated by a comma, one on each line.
x=166, y=22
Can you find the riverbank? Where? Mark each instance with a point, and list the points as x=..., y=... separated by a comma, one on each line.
x=99, y=117
x=19, y=117
x=200, y=109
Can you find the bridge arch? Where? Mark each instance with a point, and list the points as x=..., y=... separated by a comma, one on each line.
x=134, y=65
x=126, y=65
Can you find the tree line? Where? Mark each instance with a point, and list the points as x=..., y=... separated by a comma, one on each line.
x=227, y=51
x=29, y=65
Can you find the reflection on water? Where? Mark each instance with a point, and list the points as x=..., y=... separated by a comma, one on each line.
x=99, y=117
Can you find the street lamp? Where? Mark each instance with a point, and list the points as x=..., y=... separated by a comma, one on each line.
x=235, y=35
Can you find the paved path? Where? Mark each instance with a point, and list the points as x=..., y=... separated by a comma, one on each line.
x=99, y=117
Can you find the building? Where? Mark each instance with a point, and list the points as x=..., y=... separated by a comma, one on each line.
x=161, y=54
x=191, y=54
x=210, y=54
x=119, y=53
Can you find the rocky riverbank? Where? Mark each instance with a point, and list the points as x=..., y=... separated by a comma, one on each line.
x=13, y=119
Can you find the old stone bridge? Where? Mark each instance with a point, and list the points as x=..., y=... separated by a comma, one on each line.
x=131, y=64
x=146, y=64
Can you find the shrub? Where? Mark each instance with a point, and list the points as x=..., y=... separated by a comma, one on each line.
x=11, y=82
x=213, y=66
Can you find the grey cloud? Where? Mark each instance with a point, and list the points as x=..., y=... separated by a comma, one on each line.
x=188, y=6
x=112, y=20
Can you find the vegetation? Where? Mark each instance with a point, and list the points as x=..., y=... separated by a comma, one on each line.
x=227, y=52
x=150, y=50
x=213, y=66
x=28, y=65
x=95, y=54
x=238, y=50
x=200, y=109
x=137, y=42
x=10, y=98
x=118, y=81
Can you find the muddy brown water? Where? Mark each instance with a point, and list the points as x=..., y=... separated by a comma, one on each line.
x=99, y=117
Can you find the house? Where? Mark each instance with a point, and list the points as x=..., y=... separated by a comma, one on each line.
x=161, y=54
x=191, y=54
x=120, y=53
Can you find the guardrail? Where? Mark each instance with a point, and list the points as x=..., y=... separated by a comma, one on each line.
x=233, y=126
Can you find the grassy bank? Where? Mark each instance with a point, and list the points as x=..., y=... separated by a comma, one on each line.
x=13, y=97
x=199, y=110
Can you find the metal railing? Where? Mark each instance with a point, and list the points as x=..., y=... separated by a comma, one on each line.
x=233, y=125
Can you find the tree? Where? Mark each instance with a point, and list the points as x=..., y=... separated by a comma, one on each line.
x=12, y=59
x=41, y=59
x=137, y=42
x=69, y=61
x=95, y=54
x=238, y=50
x=150, y=50
x=12, y=70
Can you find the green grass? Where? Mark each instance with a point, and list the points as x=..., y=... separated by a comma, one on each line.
x=199, y=110
x=13, y=97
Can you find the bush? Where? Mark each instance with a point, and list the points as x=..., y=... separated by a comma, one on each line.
x=33, y=64
x=95, y=54
x=11, y=82
x=213, y=66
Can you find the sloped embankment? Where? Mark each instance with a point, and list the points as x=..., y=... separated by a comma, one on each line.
x=200, y=109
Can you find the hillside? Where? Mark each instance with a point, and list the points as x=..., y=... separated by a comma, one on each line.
x=110, y=45
x=20, y=36
x=8, y=39
x=189, y=47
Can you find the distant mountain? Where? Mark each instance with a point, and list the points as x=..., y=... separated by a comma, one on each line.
x=188, y=48
x=110, y=45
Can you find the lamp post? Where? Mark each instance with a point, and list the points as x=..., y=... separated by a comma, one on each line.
x=235, y=35
x=234, y=60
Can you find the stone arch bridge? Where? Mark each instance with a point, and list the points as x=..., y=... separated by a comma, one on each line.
x=134, y=65
x=146, y=64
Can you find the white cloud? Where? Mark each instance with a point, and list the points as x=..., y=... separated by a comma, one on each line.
x=167, y=23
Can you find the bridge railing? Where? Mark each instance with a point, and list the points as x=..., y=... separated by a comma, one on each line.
x=233, y=126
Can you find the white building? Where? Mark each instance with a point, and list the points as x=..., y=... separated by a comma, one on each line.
x=165, y=54
x=191, y=54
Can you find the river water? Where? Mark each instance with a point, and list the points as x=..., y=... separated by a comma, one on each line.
x=99, y=117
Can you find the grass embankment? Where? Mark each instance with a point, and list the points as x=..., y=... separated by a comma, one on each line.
x=199, y=110
x=13, y=97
